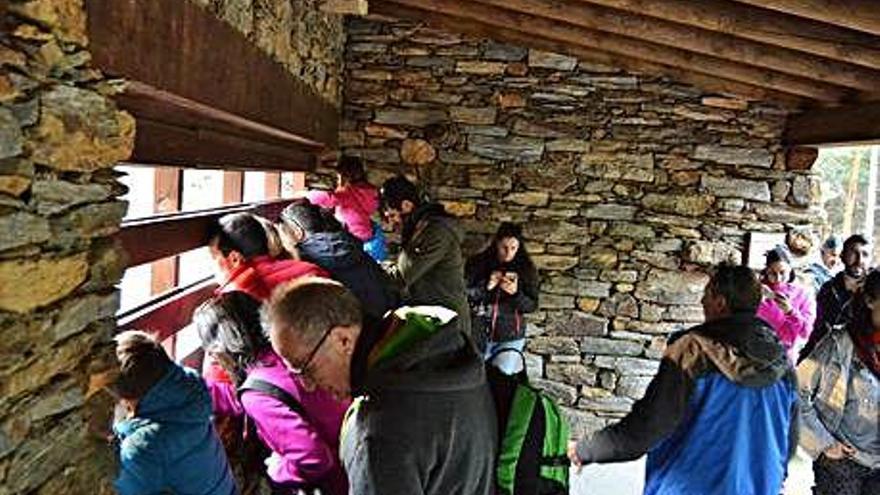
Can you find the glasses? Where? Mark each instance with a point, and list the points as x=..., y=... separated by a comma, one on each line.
x=302, y=370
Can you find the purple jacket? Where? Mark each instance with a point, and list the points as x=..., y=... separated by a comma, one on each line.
x=794, y=328
x=304, y=451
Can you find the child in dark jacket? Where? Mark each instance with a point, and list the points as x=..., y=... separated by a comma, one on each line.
x=167, y=440
x=502, y=285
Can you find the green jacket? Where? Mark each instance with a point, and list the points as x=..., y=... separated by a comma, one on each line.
x=430, y=267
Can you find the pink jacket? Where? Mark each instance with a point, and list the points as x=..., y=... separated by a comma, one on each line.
x=794, y=328
x=353, y=206
x=304, y=450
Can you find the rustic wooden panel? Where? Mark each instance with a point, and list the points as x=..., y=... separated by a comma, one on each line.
x=154, y=238
x=181, y=48
x=233, y=187
x=273, y=185
x=858, y=124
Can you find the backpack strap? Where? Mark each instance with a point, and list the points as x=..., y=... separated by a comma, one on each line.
x=262, y=386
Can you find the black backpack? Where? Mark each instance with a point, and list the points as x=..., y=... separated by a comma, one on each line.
x=265, y=387
x=533, y=435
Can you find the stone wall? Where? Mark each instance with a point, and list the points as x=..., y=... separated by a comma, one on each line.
x=628, y=187
x=295, y=33
x=60, y=135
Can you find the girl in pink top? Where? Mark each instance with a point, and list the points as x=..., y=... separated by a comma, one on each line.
x=789, y=309
x=354, y=202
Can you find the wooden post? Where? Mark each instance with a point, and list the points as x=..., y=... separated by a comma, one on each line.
x=273, y=185
x=233, y=187
x=166, y=199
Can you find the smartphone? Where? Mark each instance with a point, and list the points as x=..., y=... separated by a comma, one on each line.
x=511, y=276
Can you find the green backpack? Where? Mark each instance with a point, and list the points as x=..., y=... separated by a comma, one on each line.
x=533, y=436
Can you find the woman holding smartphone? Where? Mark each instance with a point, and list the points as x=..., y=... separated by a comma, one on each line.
x=502, y=285
x=789, y=309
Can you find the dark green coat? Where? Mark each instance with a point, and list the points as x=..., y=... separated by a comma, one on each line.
x=430, y=266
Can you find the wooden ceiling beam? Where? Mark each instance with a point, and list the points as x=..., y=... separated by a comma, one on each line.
x=482, y=30
x=861, y=15
x=698, y=40
x=858, y=124
x=588, y=38
x=757, y=24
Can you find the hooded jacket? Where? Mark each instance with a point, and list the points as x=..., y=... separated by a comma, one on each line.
x=793, y=328
x=170, y=446
x=431, y=266
x=500, y=313
x=342, y=256
x=719, y=417
x=423, y=420
x=353, y=207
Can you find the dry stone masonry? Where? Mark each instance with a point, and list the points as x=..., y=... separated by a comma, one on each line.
x=295, y=33
x=628, y=187
x=60, y=135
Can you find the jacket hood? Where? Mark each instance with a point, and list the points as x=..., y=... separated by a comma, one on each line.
x=179, y=397
x=744, y=349
x=332, y=250
x=416, y=349
x=429, y=212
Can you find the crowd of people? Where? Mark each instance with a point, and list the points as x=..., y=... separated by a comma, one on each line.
x=340, y=372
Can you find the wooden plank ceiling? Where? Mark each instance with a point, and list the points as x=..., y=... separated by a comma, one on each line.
x=808, y=54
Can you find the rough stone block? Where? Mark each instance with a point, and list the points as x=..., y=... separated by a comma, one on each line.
x=633, y=230
x=473, y=115
x=599, y=257
x=553, y=301
x=712, y=253
x=691, y=205
x=552, y=345
x=528, y=198
x=578, y=324
x=736, y=188
x=21, y=229
x=610, y=347
x=48, y=280
x=55, y=196
x=518, y=149
x=410, y=116
x=480, y=67
x=670, y=287
x=77, y=314
x=81, y=130
x=734, y=155
x=633, y=386
x=548, y=60
x=583, y=424
x=574, y=374
x=503, y=52
x=563, y=394
x=525, y=127
x=11, y=138
x=610, y=211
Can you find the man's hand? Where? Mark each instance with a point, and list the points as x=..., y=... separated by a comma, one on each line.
x=839, y=451
x=494, y=280
x=572, y=455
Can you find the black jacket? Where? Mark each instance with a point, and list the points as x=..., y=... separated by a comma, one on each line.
x=498, y=313
x=343, y=256
x=833, y=308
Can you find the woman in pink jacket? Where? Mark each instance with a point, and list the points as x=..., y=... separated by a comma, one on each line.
x=299, y=427
x=354, y=202
x=788, y=308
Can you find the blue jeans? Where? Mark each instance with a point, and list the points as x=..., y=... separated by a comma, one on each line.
x=508, y=362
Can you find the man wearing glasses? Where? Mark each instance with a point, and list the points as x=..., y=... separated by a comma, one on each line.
x=422, y=420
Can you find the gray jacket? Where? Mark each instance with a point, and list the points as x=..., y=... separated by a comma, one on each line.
x=824, y=383
x=423, y=420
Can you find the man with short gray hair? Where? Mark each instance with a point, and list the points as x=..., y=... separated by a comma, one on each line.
x=422, y=420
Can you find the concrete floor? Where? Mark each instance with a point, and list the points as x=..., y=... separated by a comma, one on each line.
x=627, y=478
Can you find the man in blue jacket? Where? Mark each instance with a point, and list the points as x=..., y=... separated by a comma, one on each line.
x=720, y=415
x=167, y=440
